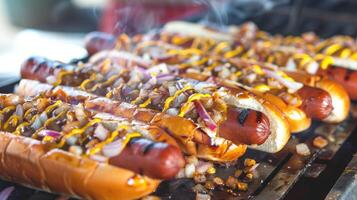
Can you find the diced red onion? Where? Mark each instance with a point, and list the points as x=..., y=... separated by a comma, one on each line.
x=205, y=116
x=100, y=132
x=43, y=117
x=5, y=193
x=80, y=114
x=51, y=133
x=113, y=149
x=294, y=86
x=165, y=77
x=203, y=166
x=36, y=124
x=159, y=69
x=19, y=110
x=144, y=72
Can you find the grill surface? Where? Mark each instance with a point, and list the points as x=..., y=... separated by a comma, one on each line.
x=274, y=178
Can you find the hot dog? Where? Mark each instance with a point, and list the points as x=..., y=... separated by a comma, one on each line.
x=346, y=77
x=225, y=50
x=311, y=59
x=187, y=85
x=321, y=108
x=191, y=139
x=55, y=122
x=297, y=124
x=41, y=145
x=96, y=41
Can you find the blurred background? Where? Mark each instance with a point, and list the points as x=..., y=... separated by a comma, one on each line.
x=55, y=28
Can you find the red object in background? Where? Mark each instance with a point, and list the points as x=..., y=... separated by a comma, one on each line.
x=131, y=18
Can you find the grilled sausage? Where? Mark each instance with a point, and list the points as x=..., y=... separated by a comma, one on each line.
x=40, y=68
x=97, y=41
x=346, y=77
x=254, y=133
x=155, y=159
x=316, y=103
x=245, y=126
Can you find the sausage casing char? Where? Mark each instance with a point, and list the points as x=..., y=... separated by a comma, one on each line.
x=245, y=117
x=256, y=133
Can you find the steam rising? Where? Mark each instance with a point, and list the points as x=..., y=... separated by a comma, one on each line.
x=135, y=17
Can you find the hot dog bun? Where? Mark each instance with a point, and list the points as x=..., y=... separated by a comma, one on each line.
x=29, y=162
x=339, y=95
x=188, y=135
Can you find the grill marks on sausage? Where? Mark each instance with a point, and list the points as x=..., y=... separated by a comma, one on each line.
x=348, y=74
x=259, y=117
x=242, y=116
x=148, y=147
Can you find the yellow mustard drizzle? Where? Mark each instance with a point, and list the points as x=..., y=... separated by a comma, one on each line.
x=185, y=52
x=285, y=76
x=320, y=46
x=354, y=56
x=332, y=49
x=326, y=62
x=238, y=73
x=8, y=109
x=186, y=106
x=195, y=63
x=257, y=69
x=235, y=52
x=270, y=59
x=169, y=100
x=346, y=53
x=304, y=59
x=145, y=104
x=98, y=147
x=13, y=120
x=52, y=119
x=262, y=87
x=87, y=81
x=19, y=127
x=53, y=106
x=60, y=77
x=77, y=131
x=104, y=84
x=176, y=40
x=220, y=47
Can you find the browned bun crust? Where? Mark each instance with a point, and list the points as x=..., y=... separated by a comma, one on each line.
x=339, y=95
x=297, y=119
x=31, y=163
x=226, y=151
x=188, y=135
